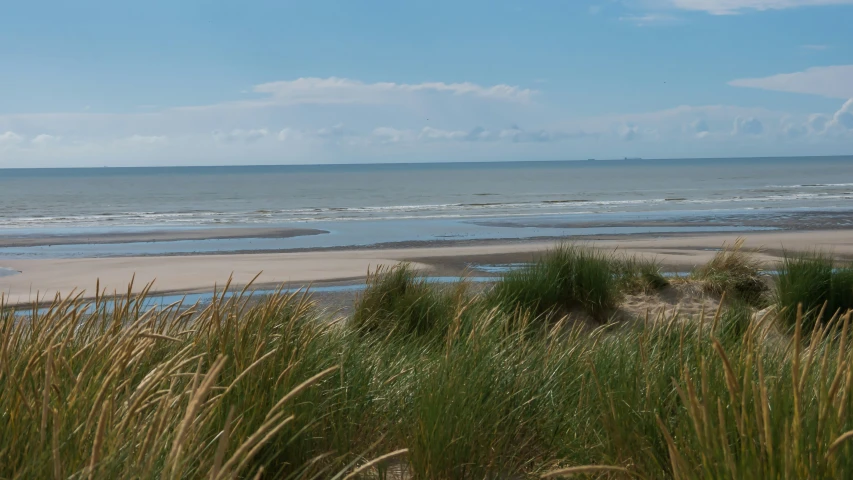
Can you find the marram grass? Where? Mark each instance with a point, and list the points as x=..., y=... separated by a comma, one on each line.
x=266, y=388
x=218, y=392
x=818, y=282
x=735, y=272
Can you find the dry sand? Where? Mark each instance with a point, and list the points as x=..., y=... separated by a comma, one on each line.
x=201, y=272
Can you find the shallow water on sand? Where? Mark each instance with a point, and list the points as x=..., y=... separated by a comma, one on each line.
x=190, y=299
x=345, y=235
x=8, y=272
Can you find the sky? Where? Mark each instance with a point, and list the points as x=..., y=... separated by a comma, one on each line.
x=106, y=83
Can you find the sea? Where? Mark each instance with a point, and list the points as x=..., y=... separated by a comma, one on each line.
x=361, y=205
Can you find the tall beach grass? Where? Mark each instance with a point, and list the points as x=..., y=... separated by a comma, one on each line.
x=735, y=272
x=570, y=277
x=424, y=381
x=817, y=282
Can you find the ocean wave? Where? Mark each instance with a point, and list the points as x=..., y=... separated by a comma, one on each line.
x=812, y=185
x=198, y=217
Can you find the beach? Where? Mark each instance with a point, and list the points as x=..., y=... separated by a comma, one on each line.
x=42, y=279
x=190, y=229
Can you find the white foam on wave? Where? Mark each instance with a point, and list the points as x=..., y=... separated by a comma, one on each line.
x=812, y=185
x=400, y=212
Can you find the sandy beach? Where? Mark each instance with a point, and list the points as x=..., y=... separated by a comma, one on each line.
x=40, y=279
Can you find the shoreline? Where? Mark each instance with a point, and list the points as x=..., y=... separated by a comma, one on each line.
x=787, y=218
x=199, y=273
x=163, y=241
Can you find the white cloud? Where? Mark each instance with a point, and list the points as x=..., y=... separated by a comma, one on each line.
x=519, y=135
x=514, y=134
x=792, y=130
x=629, y=133
x=834, y=82
x=393, y=135
x=10, y=138
x=430, y=133
x=817, y=122
x=288, y=133
x=145, y=139
x=240, y=135
x=838, y=125
x=479, y=134
x=334, y=90
x=334, y=132
x=700, y=125
x=730, y=7
x=650, y=19
x=44, y=139
x=748, y=126
x=843, y=118
x=426, y=123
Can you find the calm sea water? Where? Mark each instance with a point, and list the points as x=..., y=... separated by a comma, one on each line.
x=112, y=198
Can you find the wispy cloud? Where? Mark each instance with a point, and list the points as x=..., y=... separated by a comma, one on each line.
x=10, y=138
x=44, y=139
x=651, y=19
x=241, y=135
x=731, y=7
x=335, y=90
x=141, y=140
x=843, y=118
x=514, y=134
x=747, y=126
x=834, y=82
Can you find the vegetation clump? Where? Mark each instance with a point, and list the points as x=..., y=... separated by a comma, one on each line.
x=815, y=281
x=399, y=299
x=564, y=278
x=639, y=275
x=734, y=272
x=734, y=321
x=109, y=389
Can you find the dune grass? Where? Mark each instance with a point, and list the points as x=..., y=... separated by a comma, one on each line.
x=735, y=272
x=639, y=275
x=265, y=388
x=815, y=281
x=571, y=277
x=565, y=278
x=399, y=300
x=92, y=391
x=734, y=321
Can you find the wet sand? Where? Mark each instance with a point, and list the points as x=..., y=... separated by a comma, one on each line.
x=42, y=278
x=172, y=235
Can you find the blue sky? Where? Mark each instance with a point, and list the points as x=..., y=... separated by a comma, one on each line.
x=92, y=83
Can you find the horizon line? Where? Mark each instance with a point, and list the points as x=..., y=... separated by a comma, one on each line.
x=466, y=162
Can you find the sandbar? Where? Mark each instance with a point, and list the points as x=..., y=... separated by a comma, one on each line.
x=164, y=235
